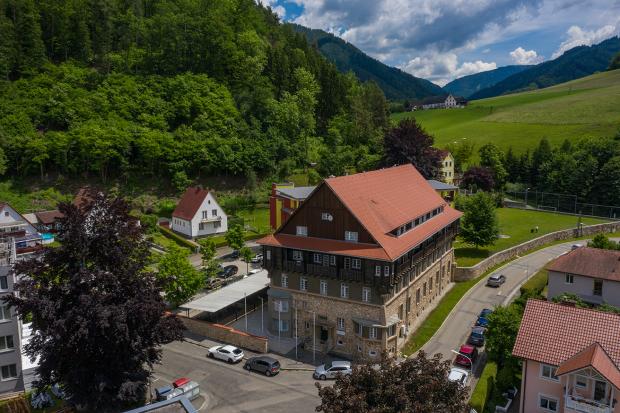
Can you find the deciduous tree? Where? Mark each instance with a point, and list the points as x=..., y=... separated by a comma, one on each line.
x=234, y=236
x=479, y=224
x=417, y=385
x=180, y=279
x=97, y=313
x=246, y=254
x=478, y=177
x=502, y=332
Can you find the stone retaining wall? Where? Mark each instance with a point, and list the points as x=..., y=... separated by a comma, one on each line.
x=467, y=273
x=225, y=334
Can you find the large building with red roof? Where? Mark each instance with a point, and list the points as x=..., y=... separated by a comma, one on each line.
x=359, y=260
x=571, y=359
x=198, y=214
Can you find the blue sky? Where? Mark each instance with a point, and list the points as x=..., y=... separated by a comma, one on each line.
x=441, y=40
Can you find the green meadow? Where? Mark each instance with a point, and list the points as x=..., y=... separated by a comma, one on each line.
x=586, y=107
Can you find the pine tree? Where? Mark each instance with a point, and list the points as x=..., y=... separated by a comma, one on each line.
x=31, y=52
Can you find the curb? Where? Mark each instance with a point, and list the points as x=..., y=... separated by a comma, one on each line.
x=296, y=368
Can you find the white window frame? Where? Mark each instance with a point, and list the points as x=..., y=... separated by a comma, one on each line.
x=356, y=263
x=214, y=212
x=386, y=271
x=281, y=306
x=301, y=231
x=5, y=313
x=326, y=216
x=4, y=343
x=268, y=254
x=366, y=294
x=284, y=280
x=585, y=380
x=351, y=236
x=303, y=284
x=360, y=330
x=377, y=271
x=542, y=397
x=323, y=287
x=6, y=278
x=340, y=324
x=569, y=278
x=297, y=255
x=2, y=378
x=551, y=376
x=344, y=290
x=317, y=258
x=372, y=333
x=332, y=260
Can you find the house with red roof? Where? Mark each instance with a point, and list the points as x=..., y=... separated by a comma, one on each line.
x=571, y=359
x=357, y=263
x=591, y=273
x=198, y=214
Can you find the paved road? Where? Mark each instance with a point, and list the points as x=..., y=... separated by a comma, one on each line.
x=229, y=388
x=457, y=326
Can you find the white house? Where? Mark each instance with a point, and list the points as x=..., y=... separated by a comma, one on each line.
x=198, y=214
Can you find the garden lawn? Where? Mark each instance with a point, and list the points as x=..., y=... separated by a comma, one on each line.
x=517, y=224
x=257, y=219
x=484, y=387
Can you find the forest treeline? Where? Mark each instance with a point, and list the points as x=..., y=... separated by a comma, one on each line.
x=175, y=89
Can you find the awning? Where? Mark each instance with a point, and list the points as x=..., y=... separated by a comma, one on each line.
x=368, y=323
x=232, y=293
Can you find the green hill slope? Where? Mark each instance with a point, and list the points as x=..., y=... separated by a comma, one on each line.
x=580, y=108
x=575, y=63
x=395, y=83
x=468, y=85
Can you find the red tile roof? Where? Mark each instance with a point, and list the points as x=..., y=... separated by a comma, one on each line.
x=48, y=217
x=190, y=203
x=553, y=333
x=382, y=201
x=590, y=262
x=593, y=356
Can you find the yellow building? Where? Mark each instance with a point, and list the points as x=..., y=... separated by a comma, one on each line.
x=447, y=167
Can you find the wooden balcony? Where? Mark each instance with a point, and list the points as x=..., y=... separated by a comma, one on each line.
x=350, y=274
x=322, y=270
x=293, y=266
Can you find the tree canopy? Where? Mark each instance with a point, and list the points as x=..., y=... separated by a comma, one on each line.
x=417, y=385
x=180, y=279
x=479, y=224
x=97, y=313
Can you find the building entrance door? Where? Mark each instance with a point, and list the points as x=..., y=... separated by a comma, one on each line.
x=324, y=335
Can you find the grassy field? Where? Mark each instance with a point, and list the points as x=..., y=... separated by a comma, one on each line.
x=517, y=225
x=257, y=219
x=580, y=108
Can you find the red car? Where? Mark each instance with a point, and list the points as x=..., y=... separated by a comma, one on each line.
x=467, y=355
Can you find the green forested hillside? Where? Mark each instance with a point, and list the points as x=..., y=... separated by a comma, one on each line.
x=468, y=85
x=395, y=83
x=173, y=89
x=575, y=63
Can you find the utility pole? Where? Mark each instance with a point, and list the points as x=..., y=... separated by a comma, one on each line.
x=295, y=333
x=313, y=337
x=245, y=304
x=262, y=329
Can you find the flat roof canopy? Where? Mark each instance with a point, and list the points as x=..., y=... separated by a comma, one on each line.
x=226, y=296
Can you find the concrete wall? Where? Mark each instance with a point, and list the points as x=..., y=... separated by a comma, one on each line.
x=467, y=273
x=225, y=334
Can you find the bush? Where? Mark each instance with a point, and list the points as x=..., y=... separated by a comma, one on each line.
x=235, y=220
x=165, y=207
x=149, y=223
x=536, y=284
x=506, y=377
x=484, y=387
x=177, y=238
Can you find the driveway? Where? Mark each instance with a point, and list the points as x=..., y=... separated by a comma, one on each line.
x=459, y=322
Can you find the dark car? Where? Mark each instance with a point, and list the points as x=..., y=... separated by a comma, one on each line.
x=228, y=271
x=467, y=355
x=485, y=313
x=263, y=364
x=482, y=322
x=476, y=337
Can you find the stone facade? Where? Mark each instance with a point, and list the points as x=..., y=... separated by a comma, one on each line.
x=225, y=334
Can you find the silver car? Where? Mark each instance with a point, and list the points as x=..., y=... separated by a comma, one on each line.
x=332, y=369
x=496, y=280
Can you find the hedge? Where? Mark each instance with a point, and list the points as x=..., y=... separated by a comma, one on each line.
x=536, y=284
x=177, y=238
x=484, y=387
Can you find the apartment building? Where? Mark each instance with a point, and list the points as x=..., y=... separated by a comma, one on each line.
x=359, y=260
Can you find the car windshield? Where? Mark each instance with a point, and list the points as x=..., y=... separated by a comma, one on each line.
x=237, y=351
x=495, y=277
x=477, y=334
x=328, y=366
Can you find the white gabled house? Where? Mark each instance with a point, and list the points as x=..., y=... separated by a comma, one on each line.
x=198, y=214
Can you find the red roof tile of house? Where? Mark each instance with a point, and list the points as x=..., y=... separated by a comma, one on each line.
x=593, y=356
x=48, y=217
x=190, y=203
x=590, y=262
x=553, y=333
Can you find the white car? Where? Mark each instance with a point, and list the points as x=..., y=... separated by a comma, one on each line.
x=459, y=375
x=230, y=354
x=257, y=258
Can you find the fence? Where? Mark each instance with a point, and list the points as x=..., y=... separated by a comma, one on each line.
x=570, y=204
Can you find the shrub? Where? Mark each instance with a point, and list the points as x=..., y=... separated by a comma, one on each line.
x=177, y=238
x=484, y=387
x=536, y=284
x=165, y=207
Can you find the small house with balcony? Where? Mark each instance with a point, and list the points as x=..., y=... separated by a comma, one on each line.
x=14, y=226
x=593, y=274
x=198, y=214
x=571, y=359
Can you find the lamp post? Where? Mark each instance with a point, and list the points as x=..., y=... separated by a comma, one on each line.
x=526, y=189
x=245, y=304
x=313, y=337
x=471, y=362
x=262, y=330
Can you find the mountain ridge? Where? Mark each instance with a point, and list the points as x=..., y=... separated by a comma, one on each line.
x=468, y=85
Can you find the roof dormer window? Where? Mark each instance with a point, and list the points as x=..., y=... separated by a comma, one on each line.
x=350, y=236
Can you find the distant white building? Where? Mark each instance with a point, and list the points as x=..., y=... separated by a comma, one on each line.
x=198, y=214
x=441, y=102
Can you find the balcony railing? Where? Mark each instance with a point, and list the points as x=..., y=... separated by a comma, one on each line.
x=579, y=404
x=350, y=274
x=322, y=270
x=211, y=219
x=294, y=266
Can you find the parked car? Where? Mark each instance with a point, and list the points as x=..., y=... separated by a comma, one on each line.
x=496, y=280
x=485, y=312
x=230, y=354
x=459, y=375
x=263, y=364
x=254, y=271
x=482, y=322
x=467, y=355
x=234, y=255
x=332, y=369
x=476, y=337
x=575, y=246
x=257, y=258
x=228, y=271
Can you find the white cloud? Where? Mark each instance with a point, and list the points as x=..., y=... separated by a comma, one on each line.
x=525, y=57
x=578, y=37
x=277, y=9
x=441, y=68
